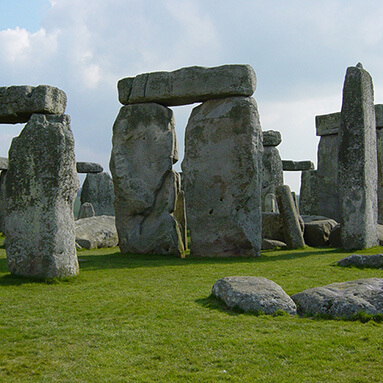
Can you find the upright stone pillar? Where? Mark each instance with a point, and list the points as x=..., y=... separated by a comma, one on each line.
x=222, y=172
x=357, y=162
x=272, y=170
x=145, y=186
x=308, y=195
x=40, y=190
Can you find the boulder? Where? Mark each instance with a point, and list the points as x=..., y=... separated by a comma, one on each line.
x=97, y=189
x=357, y=162
x=317, y=233
x=271, y=138
x=89, y=167
x=40, y=189
x=96, y=232
x=253, y=294
x=271, y=244
x=373, y=261
x=222, y=171
x=188, y=85
x=144, y=149
x=342, y=300
x=18, y=103
x=86, y=210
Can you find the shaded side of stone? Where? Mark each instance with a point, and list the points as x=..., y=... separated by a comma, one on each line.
x=253, y=294
x=180, y=209
x=379, y=148
x=145, y=185
x=89, y=167
x=222, y=172
x=357, y=162
x=292, y=229
x=308, y=196
x=317, y=233
x=3, y=200
x=86, y=211
x=41, y=186
x=188, y=85
x=98, y=190
x=272, y=226
x=18, y=103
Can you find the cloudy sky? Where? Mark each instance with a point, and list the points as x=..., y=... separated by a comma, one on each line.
x=300, y=50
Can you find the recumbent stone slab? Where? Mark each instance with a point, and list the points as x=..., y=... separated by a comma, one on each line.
x=98, y=190
x=359, y=260
x=188, y=85
x=144, y=149
x=357, y=162
x=253, y=294
x=18, y=103
x=40, y=189
x=222, y=171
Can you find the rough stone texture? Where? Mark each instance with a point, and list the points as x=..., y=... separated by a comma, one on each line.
x=296, y=166
x=179, y=211
x=379, y=116
x=41, y=186
x=271, y=178
x=253, y=294
x=308, y=195
x=145, y=186
x=271, y=244
x=312, y=218
x=89, y=167
x=188, y=85
x=96, y=232
x=271, y=138
x=328, y=195
x=373, y=261
x=334, y=238
x=86, y=211
x=98, y=190
x=18, y=103
x=222, y=172
x=2, y=200
x=379, y=147
x=357, y=162
x=3, y=163
x=317, y=233
x=291, y=225
x=342, y=300
x=272, y=226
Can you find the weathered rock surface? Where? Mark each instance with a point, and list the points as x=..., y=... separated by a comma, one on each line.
x=358, y=260
x=342, y=300
x=253, y=294
x=41, y=186
x=96, y=232
x=272, y=226
x=2, y=199
x=270, y=244
x=3, y=163
x=222, y=172
x=379, y=147
x=188, y=85
x=272, y=177
x=271, y=138
x=295, y=166
x=145, y=186
x=357, y=162
x=291, y=224
x=317, y=233
x=334, y=238
x=86, y=211
x=18, y=103
x=308, y=195
x=89, y=167
x=97, y=189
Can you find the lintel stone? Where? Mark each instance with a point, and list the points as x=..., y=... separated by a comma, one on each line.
x=295, y=166
x=89, y=167
x=188, y=85
x=18, y=103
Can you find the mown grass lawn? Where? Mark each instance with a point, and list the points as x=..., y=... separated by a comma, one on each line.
x=140, y=318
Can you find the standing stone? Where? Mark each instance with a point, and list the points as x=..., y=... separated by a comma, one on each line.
x=308, y=195
x=2, y=199
x=86, y=211
x=379, y=147
x=144, y=149
x=222, y=172
x=292, y=229
x=357, y=162
x=179, y=210
x=41, y=187
x=98, y=190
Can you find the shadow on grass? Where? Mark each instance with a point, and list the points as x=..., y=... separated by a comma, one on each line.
x=213, y=303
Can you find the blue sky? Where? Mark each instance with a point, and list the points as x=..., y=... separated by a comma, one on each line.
x=299, y=49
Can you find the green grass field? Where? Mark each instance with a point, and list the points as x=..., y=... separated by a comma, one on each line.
x=140, y=318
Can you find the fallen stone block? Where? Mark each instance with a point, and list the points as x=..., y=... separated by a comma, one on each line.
x=342, y=300
x=18, y=103
x=96, y=232
x=374, y=261
x=271, y=244
x=253, y=294
x=188, y=85
x=317, y=233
